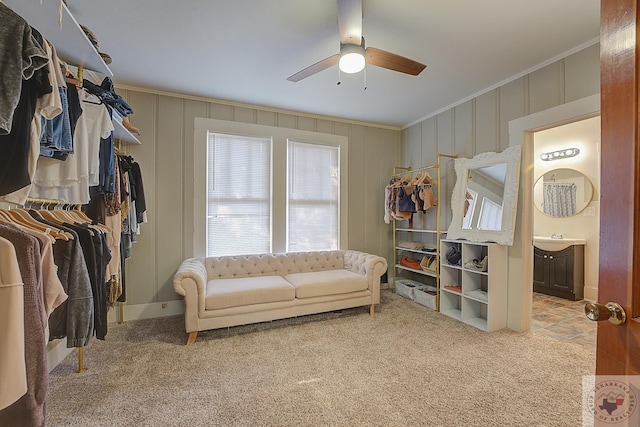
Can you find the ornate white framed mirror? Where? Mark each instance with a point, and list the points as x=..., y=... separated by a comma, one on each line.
x=485, y=197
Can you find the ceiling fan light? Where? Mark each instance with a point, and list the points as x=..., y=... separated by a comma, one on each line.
x=351, y=58
x=351, y=63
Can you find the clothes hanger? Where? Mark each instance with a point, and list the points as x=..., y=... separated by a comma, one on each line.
x=78, y=217
x=68, y=75
x=49, y=229
x=4, y=218
x=403, y=180
x=46, y=213
x=58, y=215
x=21, y=217
x=426, y=179
x=80, y=214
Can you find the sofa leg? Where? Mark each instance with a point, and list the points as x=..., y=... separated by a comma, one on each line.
x=192, y=337
x=371, y=309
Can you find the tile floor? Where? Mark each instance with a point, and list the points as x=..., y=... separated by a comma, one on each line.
x=563, y=320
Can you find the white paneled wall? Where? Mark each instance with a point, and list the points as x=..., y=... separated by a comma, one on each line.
x=166, y=122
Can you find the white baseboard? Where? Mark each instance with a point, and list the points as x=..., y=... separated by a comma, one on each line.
x=590, y=294
x=56, y=352
x=145, y=311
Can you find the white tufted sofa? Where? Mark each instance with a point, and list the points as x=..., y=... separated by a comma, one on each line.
x=235, y=290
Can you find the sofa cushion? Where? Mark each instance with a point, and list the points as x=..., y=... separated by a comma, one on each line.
x=329, y=282
x=226, y=293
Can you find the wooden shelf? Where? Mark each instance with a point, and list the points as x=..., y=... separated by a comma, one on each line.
x=72, y=45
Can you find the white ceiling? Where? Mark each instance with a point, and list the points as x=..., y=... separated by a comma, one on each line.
x=243, y=50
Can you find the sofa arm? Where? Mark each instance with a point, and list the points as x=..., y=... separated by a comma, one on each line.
x=368, y=265
x=190, y=281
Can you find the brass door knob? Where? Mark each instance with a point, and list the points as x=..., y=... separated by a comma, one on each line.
x=613, y=312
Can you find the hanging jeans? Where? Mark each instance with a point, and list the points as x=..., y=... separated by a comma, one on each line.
x=56, y=133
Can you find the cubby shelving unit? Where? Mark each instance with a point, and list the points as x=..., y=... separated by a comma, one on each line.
x=478, y=298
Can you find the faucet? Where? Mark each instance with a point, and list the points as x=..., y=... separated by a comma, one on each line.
x=556, y=236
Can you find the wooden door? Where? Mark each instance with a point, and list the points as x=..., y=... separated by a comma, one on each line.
x=540, y=271
x=618, y=347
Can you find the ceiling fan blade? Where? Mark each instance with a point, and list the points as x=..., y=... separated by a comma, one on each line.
x=391, y=61
x=315, y=68
x=350, y=21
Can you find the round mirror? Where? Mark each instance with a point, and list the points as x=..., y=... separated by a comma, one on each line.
x=562, y=193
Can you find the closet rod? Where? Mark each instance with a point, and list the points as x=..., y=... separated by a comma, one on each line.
x=54, y=202
x=409, y=170
x=51, y=201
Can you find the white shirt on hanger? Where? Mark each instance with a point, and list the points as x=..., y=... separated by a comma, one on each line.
x=69, y=180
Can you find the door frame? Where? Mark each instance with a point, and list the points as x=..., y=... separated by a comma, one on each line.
x=521, y=130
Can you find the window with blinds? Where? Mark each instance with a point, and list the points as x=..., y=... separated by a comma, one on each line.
x=313, y=183
x=238, y=195
x=264, y=189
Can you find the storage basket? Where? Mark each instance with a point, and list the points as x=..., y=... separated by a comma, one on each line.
x=423, y=297
x=405, y=287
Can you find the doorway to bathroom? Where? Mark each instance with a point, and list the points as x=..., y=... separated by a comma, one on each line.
x=566, y=224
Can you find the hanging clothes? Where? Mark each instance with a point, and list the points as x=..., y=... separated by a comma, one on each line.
x=404, y=197
x=21, y=57
x=13, y=370
x=88, y=267
x=74, y=319
x=29, y=410
x=15, y=146
x=70, y=180
x=96, y=258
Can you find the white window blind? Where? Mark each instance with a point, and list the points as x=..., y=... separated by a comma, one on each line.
x=313, y=185
x=238, y=195
x=490, y=215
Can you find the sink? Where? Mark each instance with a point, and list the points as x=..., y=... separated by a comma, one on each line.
x=549, y=244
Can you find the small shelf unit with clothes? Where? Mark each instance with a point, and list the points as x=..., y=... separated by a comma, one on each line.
x=474, y=291
x=416, y=237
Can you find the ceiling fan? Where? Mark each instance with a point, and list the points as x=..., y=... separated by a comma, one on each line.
x=353, y=54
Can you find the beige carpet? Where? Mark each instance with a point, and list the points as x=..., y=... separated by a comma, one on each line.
x=407, y=366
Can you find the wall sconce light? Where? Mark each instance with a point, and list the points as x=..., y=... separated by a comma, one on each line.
x=560, y=154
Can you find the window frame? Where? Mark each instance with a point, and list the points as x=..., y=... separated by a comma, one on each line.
x=280, y=137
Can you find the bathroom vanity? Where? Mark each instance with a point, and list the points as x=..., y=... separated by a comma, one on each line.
x=558, y=267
